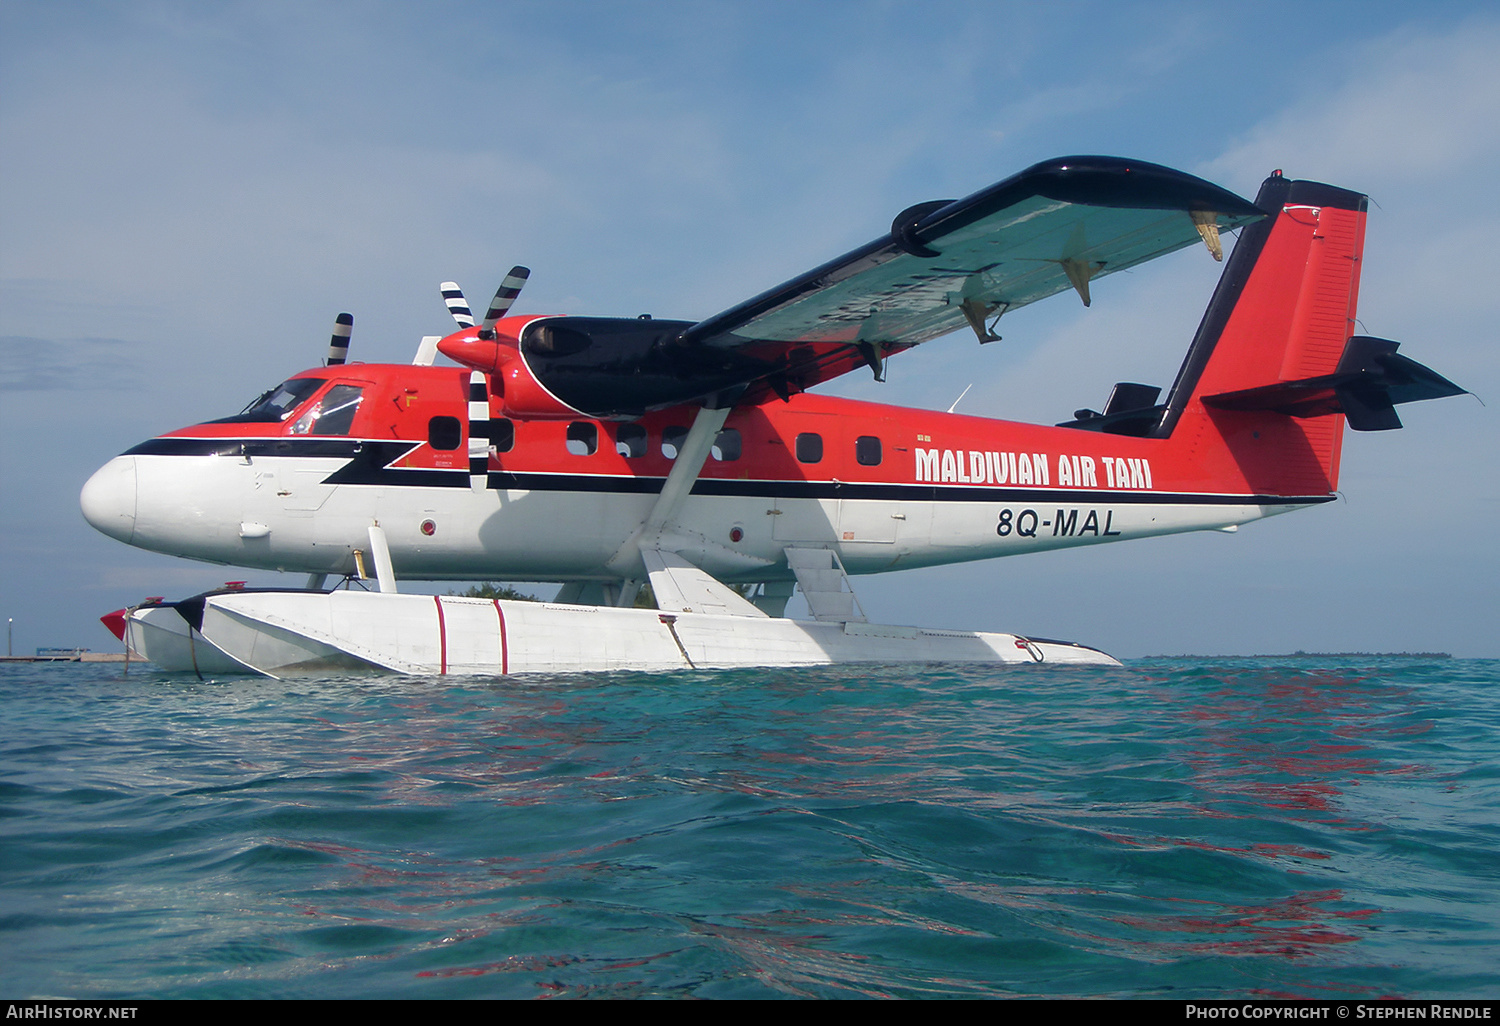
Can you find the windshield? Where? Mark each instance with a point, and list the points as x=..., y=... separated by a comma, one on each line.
x=331, y=415
x=276, y=405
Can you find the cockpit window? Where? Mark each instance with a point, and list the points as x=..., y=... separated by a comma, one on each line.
x=331, y=415
x=276, y=405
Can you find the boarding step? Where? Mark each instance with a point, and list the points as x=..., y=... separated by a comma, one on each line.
x=825, y=585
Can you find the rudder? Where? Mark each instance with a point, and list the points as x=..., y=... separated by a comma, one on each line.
x=1283, y=312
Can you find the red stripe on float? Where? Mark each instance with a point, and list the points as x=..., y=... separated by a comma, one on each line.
x=442, y=636
x=504, y=644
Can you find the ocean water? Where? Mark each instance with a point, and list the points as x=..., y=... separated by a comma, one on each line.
x=1178, y=828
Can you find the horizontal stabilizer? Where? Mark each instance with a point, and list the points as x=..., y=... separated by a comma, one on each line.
x=1371, y=379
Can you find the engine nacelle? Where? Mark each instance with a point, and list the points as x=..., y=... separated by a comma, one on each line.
x=603, y=367
x=522, y=397
x=512, y=384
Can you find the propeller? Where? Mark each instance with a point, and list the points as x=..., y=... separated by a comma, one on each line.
x=479, y=399
x=338, y=346
x=458, y=306
x=505, y=295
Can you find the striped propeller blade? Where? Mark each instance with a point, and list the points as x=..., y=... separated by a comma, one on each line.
x=479, y=432
x=458, y=306
x=505, y=295
x=338, y=346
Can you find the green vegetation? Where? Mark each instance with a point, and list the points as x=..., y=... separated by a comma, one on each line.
x=1299, y=654
x=644, y=599
x=491, y=590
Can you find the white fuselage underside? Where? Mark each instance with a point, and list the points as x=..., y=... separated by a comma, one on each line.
x=276, y=514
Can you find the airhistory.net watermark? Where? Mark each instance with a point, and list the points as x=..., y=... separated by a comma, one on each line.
x=43, y=1010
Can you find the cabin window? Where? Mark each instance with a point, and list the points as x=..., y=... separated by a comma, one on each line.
x=727, y=446
x=333, y=414
x=630, y=441
x=502, y=434
x=583, y=438
x=444, y=433
x=671, y=441
x=867, y=451
x=809, y=447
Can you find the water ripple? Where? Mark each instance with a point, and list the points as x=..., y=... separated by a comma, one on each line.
x=1176, y=828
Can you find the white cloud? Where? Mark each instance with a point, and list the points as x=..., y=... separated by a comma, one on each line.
x=1413, y=107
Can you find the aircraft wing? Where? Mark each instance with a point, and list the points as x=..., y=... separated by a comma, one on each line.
x=950, y=264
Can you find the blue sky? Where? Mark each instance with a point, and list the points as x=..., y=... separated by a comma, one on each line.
x=189, y=192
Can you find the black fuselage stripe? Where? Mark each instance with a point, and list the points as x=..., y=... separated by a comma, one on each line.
x=369, y=465
x=889, y=492
x=289, y=447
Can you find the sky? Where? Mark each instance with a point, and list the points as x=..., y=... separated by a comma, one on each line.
x=190, y=192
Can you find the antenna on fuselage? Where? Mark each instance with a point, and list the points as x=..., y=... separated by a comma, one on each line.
x=960, y=397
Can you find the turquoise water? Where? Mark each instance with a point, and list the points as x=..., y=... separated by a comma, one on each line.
x=1177, y=828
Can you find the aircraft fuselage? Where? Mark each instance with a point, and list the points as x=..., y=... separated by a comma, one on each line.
x=886, y=487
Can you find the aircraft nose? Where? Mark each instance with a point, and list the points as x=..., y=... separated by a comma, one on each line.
x=108, y=498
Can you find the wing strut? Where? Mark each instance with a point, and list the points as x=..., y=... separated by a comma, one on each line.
x=685, y=471
x=676, y=583
x=680, y=586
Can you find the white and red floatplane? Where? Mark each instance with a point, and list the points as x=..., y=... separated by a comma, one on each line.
x=606, y=453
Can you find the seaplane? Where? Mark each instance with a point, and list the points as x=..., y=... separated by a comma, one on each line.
x=609, y=453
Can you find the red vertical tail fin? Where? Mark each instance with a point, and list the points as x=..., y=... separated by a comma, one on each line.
x=1283, y=312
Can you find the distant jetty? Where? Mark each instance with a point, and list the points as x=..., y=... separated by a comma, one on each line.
x=65, y=655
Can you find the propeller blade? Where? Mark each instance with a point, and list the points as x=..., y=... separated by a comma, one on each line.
x=458, y=306
x=504, y=296
x=338, y=346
